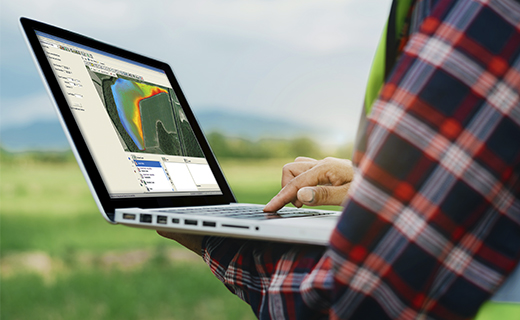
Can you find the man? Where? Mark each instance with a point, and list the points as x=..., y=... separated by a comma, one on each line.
x=431, y=225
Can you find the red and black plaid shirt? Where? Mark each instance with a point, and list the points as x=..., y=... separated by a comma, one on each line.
x=432, y=227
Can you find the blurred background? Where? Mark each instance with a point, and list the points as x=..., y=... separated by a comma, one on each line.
x=268, y=81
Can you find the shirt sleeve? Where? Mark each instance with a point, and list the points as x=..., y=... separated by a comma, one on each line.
x=266, y=275
x=432, y=227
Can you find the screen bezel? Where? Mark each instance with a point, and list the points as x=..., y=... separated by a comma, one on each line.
x=30, y=27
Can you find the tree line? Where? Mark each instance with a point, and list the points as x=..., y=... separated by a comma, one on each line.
x=241, y=148
x=223, y=147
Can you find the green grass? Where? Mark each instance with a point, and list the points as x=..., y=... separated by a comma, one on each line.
x=48, y=207
x=173, y=291
x=32, y=188
x=46, y=210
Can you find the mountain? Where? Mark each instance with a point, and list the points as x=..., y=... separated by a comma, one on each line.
x=42, y=135
x=48, y=135
x=251, y=126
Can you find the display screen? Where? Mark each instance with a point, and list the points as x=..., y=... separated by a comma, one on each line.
x=132, y=121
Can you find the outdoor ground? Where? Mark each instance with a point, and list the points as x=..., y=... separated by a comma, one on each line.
x=60, y=260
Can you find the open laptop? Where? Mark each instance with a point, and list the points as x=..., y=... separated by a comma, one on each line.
x=140, y=148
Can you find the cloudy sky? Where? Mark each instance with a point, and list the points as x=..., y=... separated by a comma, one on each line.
x=304, y=60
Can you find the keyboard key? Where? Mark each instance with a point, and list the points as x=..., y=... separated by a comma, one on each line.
x=244, y=212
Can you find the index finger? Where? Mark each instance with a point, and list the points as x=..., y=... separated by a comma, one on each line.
x=311, y=177
x=294, y=169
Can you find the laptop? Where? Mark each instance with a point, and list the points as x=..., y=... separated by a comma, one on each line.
x=141, y=149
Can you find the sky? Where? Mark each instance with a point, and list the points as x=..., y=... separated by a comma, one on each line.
x=306, y=61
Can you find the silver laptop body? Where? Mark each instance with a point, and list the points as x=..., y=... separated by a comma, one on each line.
x=140, y=148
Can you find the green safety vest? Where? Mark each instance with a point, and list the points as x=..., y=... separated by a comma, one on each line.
x=381, y=66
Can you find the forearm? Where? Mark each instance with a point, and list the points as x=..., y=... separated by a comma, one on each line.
x=271, y=277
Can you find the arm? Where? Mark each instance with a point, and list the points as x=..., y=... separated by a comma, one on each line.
x=432, y=224
x=266, y=275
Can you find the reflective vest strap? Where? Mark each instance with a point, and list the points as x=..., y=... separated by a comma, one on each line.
x=386, y=52
x=377, y=73
x=491, y=310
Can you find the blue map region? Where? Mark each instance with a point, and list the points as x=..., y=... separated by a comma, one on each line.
x=126, y=93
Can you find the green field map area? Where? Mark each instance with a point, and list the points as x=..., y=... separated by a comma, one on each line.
x=146, y=117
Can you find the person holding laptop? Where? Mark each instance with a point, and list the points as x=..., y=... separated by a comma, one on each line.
x=431, y=220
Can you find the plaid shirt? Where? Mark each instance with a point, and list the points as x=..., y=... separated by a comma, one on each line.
x=432, y=227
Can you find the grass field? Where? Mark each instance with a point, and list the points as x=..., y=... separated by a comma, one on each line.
x=60, y=260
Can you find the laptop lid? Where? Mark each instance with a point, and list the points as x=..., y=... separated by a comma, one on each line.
x=129, y=124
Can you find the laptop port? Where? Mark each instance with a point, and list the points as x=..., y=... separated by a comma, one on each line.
x=209, y=224
x=190, y=222
x=146, y=218
x=128, y=216
x=175, y=220
x=235, y=226
x=162, y=219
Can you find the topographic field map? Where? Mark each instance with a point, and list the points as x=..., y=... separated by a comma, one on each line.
x=148, y=118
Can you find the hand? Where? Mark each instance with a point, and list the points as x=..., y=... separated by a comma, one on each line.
x=190, y=241
x=313, y=183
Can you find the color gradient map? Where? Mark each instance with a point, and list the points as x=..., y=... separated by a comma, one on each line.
x=128, y=96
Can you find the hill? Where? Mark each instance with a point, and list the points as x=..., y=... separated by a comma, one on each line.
x=39, y=136
x=252, y=126
x=48, y=135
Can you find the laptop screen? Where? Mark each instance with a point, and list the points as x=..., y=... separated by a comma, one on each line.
x=132, y=121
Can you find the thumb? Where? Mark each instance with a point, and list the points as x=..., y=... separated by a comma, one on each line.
x=323, y=195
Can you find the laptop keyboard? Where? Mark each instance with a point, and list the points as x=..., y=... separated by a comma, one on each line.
x=245, y=212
